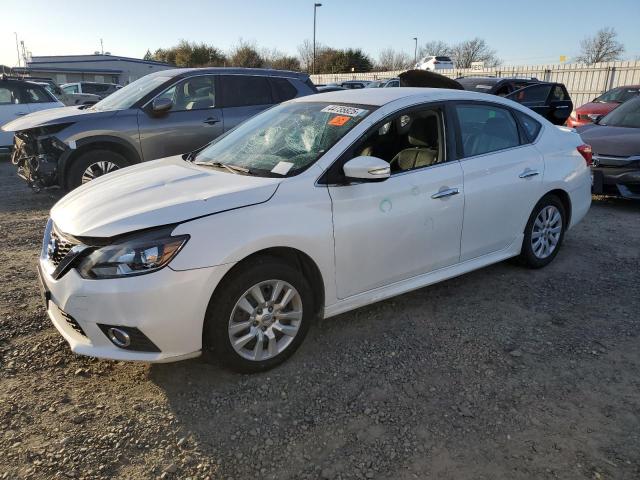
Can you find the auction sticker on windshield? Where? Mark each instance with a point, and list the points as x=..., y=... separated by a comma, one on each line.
x=344, y=110
x=339, y=120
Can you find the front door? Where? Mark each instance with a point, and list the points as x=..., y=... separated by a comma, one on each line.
x=407, y=225
x=193, y=121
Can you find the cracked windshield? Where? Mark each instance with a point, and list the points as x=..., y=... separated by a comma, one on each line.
x=284, y=140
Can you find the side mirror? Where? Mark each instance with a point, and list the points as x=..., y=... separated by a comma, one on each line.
x=370, y=169
x=161, y=105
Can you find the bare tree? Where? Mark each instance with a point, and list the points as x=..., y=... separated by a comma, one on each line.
x=274, y=58
x=475, y=50
x=305, y=54
x=245, y=54
x=602, y=47
x=389, y=59
x=435, y=47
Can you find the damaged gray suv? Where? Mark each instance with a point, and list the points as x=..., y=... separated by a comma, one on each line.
x=166, y=113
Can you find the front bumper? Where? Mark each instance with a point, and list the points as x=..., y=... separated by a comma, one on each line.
x=619, y=181
x=167, y=306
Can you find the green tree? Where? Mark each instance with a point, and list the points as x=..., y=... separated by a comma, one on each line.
x=246, y=55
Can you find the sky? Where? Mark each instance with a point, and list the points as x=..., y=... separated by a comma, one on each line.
x=534, y=32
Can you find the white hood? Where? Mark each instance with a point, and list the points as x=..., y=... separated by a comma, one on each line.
x=155, y=193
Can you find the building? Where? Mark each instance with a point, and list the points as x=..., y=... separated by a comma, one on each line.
x=92, y=68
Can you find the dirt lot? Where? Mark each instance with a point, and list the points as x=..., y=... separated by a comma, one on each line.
x=503, y=373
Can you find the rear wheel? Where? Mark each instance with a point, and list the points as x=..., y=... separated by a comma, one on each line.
x=259, y=316
x=94, y=164
x=544, y=232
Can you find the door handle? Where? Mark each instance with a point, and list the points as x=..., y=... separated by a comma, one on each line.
x=447, y=192
x=211, y=120
x=19, y=114
x=529, y=173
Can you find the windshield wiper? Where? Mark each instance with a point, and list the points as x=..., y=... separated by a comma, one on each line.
x=232, y=168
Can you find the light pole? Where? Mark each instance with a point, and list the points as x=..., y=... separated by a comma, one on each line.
x=415, y=52
x=315, y=8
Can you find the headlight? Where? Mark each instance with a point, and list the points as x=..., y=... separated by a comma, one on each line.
x=144, y=254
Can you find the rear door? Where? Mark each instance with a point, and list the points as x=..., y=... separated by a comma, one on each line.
x=502, y=178
x=194, y=120
x=243, y=96
x=547, y=99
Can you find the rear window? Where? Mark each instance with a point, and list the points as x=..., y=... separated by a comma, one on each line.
x=531, y=126
x=443, y=59
x=283, y=90
x=95, y=88
x=476, y=84
x=245, y=90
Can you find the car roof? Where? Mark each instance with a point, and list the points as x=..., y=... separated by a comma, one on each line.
x=382, y=96
x=230, y=70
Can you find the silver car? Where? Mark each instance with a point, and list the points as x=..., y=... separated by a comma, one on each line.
x=165, y=113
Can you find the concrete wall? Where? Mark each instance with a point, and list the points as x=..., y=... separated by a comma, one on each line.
x=584, y=82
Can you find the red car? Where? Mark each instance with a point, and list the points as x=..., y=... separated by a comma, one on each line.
x=602, y=105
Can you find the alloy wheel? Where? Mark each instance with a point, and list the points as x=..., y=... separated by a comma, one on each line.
x=98, y=169
x=265, y=320
x=547, y=229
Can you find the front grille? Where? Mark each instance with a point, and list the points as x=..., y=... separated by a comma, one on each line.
x=72, y=322
x=58, y=247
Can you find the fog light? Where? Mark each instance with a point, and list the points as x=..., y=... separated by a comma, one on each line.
x=119, y=337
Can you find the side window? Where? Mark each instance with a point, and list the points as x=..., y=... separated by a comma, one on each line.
x=532, y=94
x=283, y=90
x=36, y=94
x=245, y=90
x=558, y=94
x=195, y=93
x=9, y=95
x=486, y=128
x=531, y=127
x=71, y=89
x=408, y=141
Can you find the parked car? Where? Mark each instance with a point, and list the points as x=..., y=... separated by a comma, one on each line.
x=310, y=209
x=17, y=99
x=602, y=105
x=69, y=99
x=615, y=141
x=392, y=82
x=353, y=84
x=162, y=114
x=433, y=62
x=549, y=99
x=103, y=90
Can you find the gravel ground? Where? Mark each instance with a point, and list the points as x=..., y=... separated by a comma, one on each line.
x=503, y=373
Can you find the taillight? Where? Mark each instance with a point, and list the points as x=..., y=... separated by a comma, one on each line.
x=587, y=154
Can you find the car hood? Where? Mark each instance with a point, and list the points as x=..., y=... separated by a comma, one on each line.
x=596, y=108
x=616, y=141
x=54, y=116
x=155, y=193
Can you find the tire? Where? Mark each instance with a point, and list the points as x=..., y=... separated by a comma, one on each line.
x=542, y=227
x=80, y=165
x=226, y=321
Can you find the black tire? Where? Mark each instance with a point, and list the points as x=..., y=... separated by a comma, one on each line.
x=216, y=328
x=527, y=256
x=79, y=165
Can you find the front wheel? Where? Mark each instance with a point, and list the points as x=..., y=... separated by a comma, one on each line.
x=544, y=232
x=259, y=316
x=94, y=164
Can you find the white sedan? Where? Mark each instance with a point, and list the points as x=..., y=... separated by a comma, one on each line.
x=312, y=208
